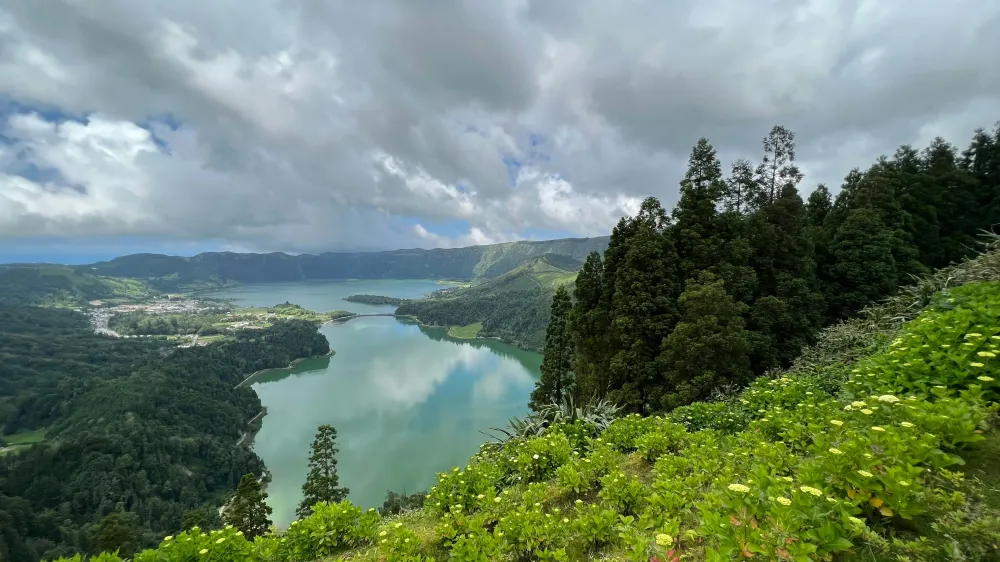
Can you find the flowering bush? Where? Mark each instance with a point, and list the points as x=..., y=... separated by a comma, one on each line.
x=623, y=432
x=470, y=488
x=661, y=438
x=331, y=528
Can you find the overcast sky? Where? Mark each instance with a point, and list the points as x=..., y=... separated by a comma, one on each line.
x=317, y=125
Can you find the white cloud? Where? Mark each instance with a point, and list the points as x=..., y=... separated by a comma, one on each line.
x=310, y=126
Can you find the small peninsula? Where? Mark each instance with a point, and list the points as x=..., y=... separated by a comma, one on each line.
x=375, y=299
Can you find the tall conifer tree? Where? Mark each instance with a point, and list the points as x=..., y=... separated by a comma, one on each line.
x=322, y=483
x=708, y=348
x=248, y=510
x=556, y=381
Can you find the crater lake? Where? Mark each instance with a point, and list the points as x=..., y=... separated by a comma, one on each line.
x=407, y=401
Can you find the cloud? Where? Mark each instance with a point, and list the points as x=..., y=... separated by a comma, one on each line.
x=304, y=125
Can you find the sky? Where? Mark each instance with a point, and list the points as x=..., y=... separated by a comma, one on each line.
x=181, y=126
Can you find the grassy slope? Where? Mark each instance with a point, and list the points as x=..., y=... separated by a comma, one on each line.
x=465, y=332
x=846, y=453
x=21, y=440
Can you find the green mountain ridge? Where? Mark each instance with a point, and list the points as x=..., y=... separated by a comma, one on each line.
x=172, y=273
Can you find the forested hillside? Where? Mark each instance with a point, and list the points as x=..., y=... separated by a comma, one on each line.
x=513, y=307
x=135, y=435
x=60, y=285
x=743, y=273
x=171, y=273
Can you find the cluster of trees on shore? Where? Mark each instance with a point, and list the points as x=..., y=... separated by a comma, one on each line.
x=515, y=317
x=141, y=438
x=744, y=272
x=375, y=299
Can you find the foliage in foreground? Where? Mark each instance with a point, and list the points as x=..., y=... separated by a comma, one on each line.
x=854, y=461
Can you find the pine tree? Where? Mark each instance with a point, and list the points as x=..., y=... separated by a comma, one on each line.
x=644, y=309
x=193, y=518
x=818, y=206
x=863, y=269
x=741, y=189
x=694, y=217
x=955, y=201
x=248, y=510
x=778, y=170
x=708, y=348
x=789, y=305
x=322, y=482
x=587, y=327
x=556, y=381
x=118, y=531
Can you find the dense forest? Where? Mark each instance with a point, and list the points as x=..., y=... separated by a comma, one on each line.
x=513, y=307
x=517, y=318
x=744, y=272
x=137, y=436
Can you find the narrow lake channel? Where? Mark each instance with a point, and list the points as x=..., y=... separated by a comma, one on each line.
x=407, y=401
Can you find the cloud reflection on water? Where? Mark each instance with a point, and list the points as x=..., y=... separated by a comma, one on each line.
x=405, y=406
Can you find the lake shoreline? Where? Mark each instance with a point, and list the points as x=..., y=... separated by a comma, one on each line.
x=406, y=402
x=291, y=365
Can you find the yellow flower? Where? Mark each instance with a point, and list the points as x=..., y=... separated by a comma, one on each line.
x=203, y=551
x=877, y=428
x=986, y=354
x=535, y=456
x=975, y=364
x=855, y=520
x=865, y=473
x=497, y=499
x=220, y=540
x=783, y=500
x=837, y=423
x=480, y=496
x=565, y=520
x=836, y=451
x=739, y=488
x=398, y=525
x=382, y=534
x=906, y=424
x=811, y=490
x=889, y=398
x=664, y=539
x=859, y=404
x=168, y=538
x=786, y=478
x=579, y=502
x=985, y=378
x=867, y=412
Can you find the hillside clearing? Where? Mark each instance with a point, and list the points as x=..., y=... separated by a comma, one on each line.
x=469, y=331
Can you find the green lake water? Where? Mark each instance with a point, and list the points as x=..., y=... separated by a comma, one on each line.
x=407, y=401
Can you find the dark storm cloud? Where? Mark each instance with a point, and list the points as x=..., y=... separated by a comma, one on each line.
x=311, y=125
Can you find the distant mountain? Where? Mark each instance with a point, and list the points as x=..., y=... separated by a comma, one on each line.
x=171, y=273
x=513, y=307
